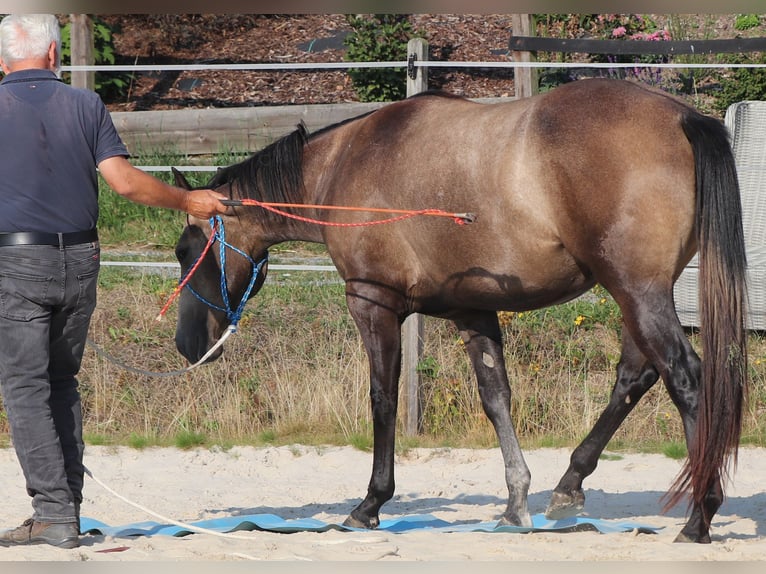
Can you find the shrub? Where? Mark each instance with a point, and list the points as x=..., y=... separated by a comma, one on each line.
x=746, y=21
x=742, y=84
x=608, y=27
x=378, y=38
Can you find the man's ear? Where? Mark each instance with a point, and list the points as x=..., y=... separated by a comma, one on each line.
x=54, y=62
x=180, y=179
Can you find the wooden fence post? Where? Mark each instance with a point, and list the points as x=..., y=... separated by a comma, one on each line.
x=412, y=330
x=524, y=79
x=81, y=43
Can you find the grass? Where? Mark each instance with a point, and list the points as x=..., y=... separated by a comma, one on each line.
x=296, y=371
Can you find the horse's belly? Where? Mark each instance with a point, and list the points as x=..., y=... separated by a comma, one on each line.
x=483, y=288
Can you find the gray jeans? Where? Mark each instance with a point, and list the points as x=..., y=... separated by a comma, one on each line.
x=47, y=296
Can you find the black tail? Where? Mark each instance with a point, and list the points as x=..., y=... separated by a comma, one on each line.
x=723, y=305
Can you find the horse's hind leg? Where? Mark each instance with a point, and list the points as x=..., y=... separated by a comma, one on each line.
x=665, y=343
x=651, y=330
x=481, y=333
x=635, y=376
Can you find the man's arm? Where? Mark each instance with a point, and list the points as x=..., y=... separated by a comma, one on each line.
x=140, y=187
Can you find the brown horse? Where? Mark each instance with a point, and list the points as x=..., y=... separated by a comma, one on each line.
x=597, y=181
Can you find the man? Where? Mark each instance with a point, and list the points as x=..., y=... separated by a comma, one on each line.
x=52, y=139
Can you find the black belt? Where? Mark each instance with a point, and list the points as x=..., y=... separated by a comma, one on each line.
x=40, y=238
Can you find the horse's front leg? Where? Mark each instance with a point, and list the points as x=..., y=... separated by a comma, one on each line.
x=481, y=334
x=380, y=329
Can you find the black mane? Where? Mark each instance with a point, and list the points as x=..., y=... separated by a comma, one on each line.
x=273, y=174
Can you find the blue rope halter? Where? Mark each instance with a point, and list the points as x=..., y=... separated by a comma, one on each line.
x=233, y=315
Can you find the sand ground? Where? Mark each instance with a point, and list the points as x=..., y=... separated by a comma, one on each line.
x=327, y=482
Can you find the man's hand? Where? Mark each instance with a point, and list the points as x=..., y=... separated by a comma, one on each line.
x=204, y=203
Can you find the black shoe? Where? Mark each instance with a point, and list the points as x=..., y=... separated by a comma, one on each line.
x=63, y=535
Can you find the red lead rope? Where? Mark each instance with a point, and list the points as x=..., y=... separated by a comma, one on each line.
x=401, y=214
x=177, y=291
x=459, y=218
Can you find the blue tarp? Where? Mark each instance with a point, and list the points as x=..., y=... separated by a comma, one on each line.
x=274, y=523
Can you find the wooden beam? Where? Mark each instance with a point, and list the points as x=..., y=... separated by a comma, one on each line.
x=211, y=131
x=524, y=79
x=81, y=44
x=413, y=329
x=526, y=43
x=216, y=130
x=417, y=76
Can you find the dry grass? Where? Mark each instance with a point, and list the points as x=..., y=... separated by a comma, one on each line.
x=296, y=371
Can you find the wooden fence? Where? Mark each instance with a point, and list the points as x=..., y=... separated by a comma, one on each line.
x=210, y=131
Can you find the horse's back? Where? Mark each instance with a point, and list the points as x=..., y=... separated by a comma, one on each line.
x=588, y=182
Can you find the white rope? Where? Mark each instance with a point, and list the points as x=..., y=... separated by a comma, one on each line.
x=224, y=67
x=190, y=527
x=176, y=266
x=604, y=65
x=393, y=64
x=229, y=330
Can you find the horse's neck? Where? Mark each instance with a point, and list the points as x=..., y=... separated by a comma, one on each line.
x=295, y=225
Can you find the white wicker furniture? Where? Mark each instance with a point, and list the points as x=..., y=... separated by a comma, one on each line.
x=747, y=123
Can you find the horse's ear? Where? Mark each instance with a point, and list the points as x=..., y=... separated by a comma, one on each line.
x=180, y=179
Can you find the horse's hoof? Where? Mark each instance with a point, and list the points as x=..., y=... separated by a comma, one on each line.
x=686, y=539
x=515, y=520
x=564, y=505
x=354, y=522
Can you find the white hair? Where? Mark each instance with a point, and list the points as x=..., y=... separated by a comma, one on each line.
x=24, y=36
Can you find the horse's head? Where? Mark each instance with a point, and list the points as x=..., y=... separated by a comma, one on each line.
x=213, y=299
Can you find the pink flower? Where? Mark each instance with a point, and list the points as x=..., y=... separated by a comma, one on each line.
x=619, y=32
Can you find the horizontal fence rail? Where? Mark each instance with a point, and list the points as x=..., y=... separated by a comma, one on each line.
x=232, y=67
x=638, y=47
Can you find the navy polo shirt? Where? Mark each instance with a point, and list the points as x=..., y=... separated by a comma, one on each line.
x=52, y=137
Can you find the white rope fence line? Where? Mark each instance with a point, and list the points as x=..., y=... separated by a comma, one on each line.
x=178, y=167
x=176, y=266
x=232, y=67
x=392, y=64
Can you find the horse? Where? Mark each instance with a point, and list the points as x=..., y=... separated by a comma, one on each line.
x=596, y=181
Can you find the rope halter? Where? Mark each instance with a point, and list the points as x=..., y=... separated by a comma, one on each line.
x=218, y=233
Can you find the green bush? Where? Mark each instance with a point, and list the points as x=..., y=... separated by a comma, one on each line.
x=746, y=21
x=740, y=84
x=378, y=38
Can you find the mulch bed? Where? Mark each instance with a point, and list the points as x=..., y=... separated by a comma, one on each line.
x=259, y=38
